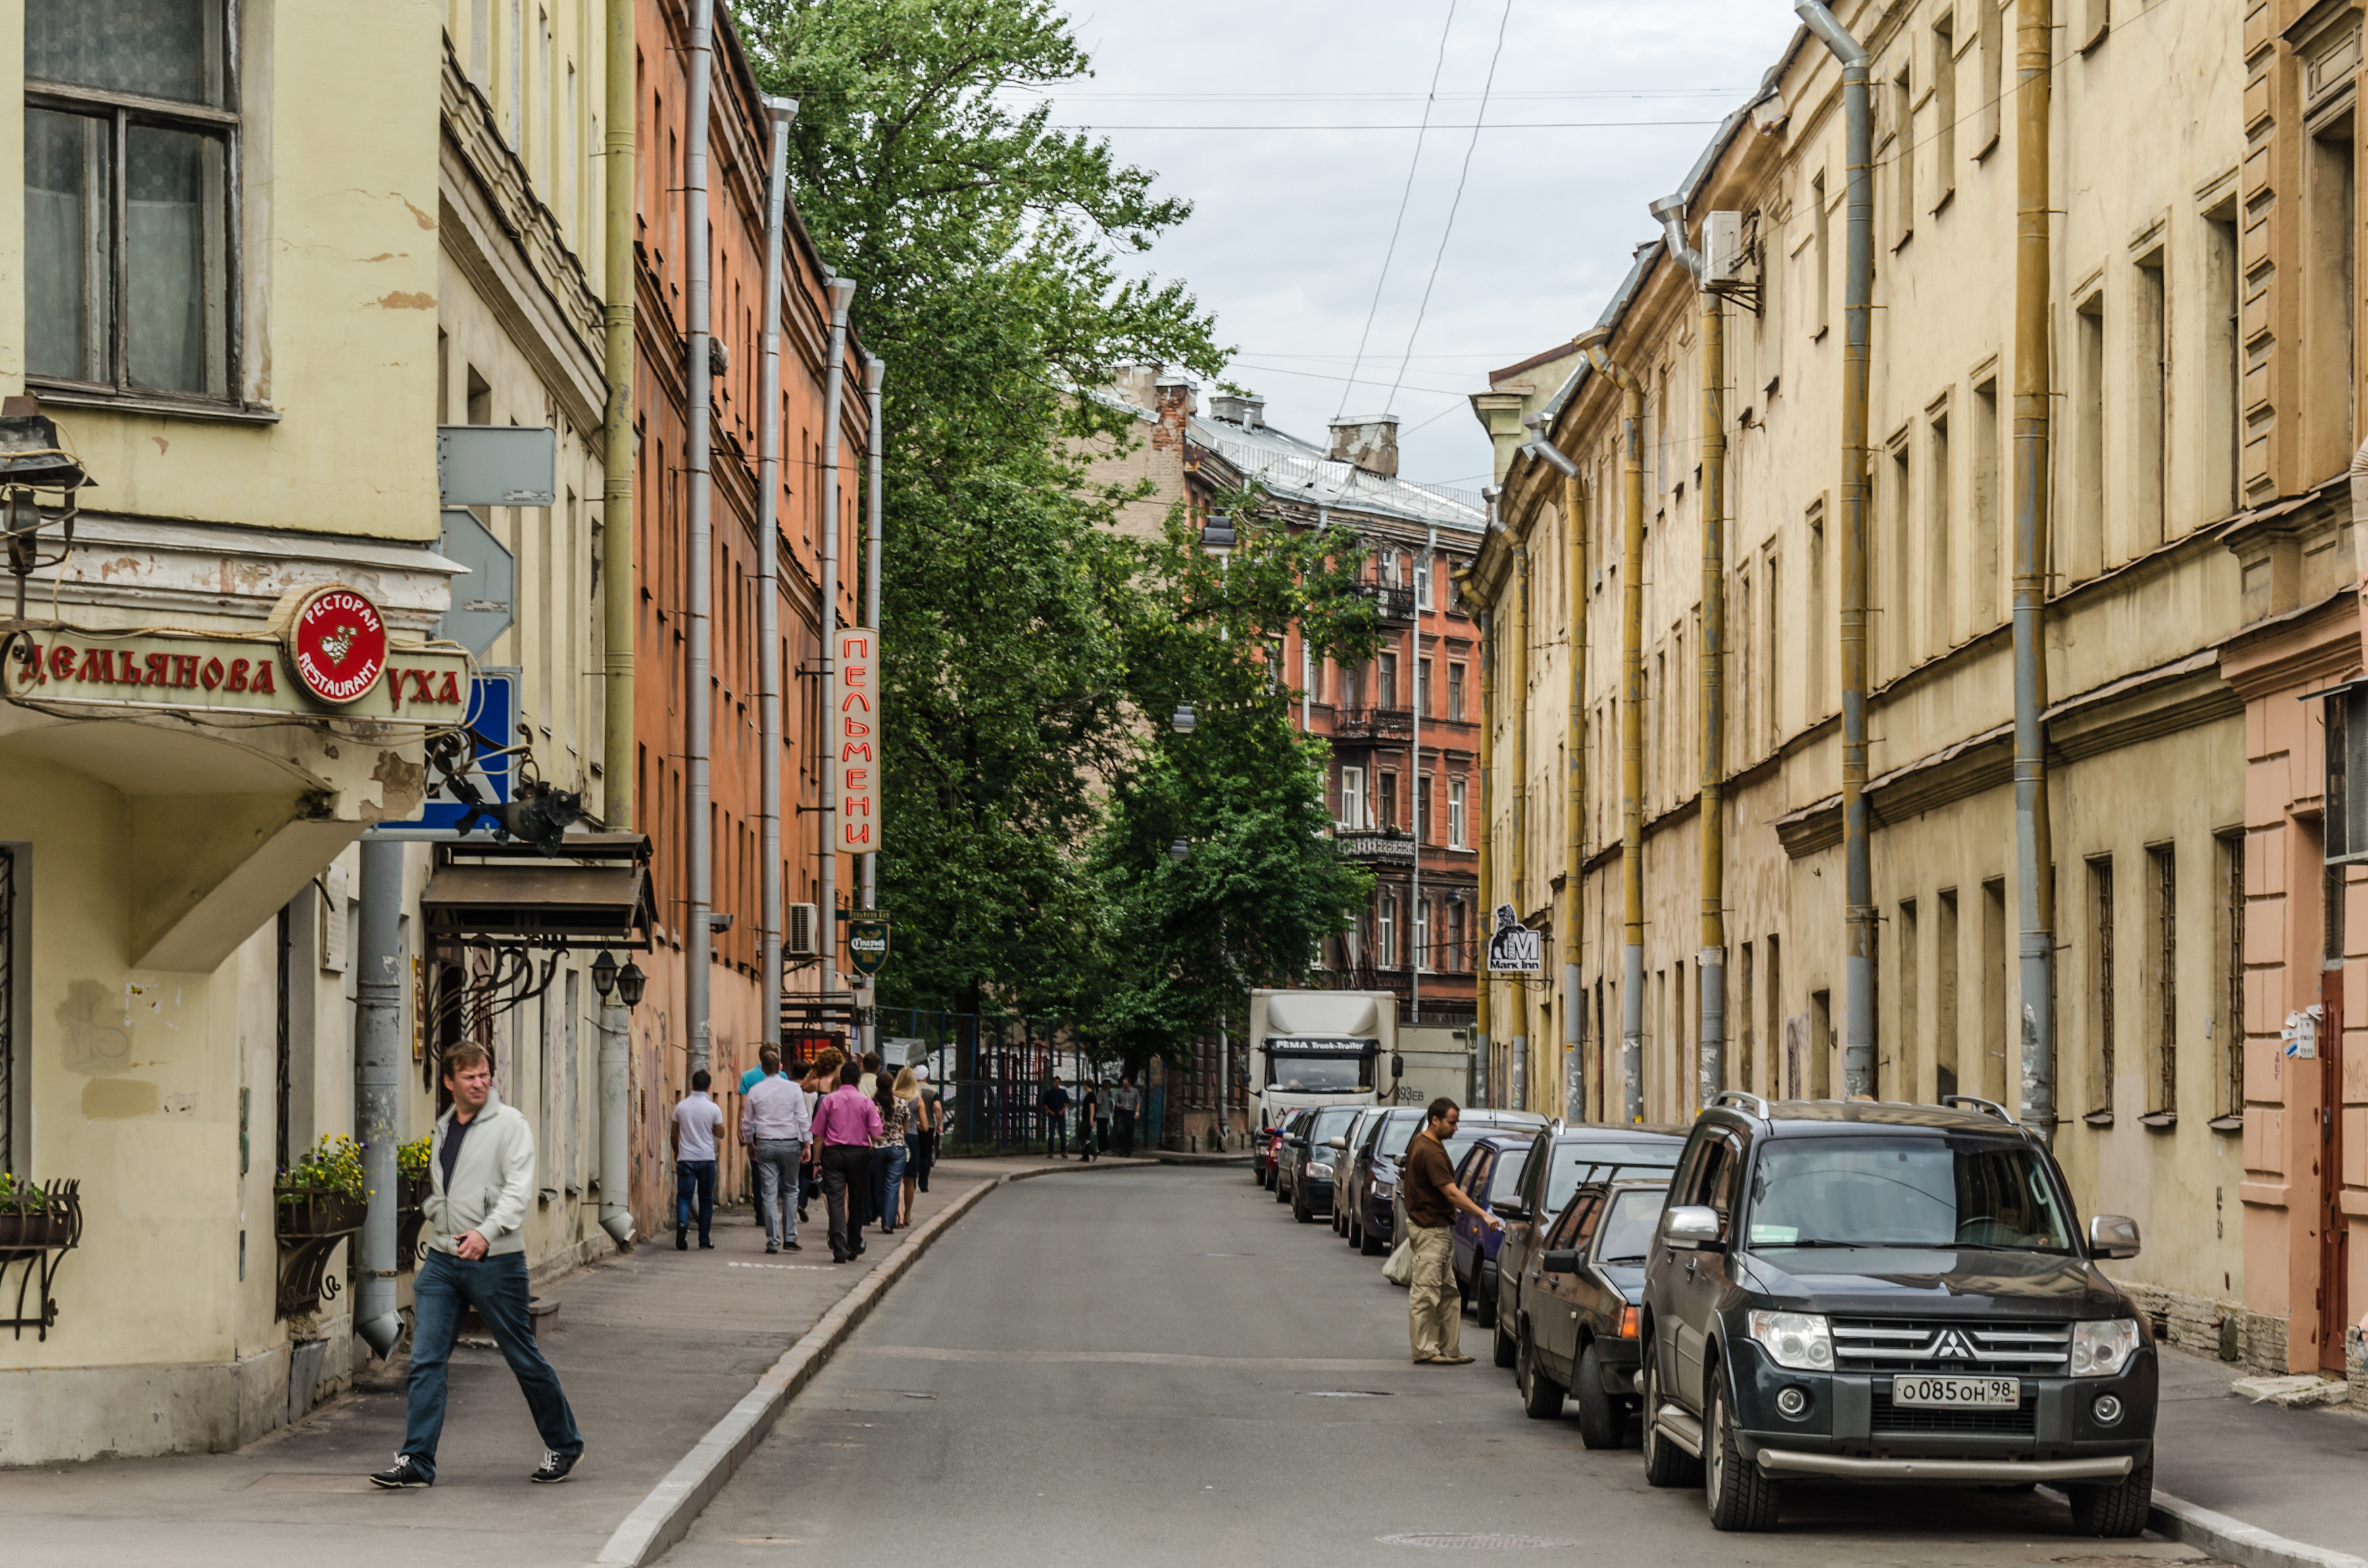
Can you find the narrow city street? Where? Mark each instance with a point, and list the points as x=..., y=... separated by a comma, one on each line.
x=1160, y=1367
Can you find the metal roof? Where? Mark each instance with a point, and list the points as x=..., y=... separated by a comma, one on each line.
x=1294, y=470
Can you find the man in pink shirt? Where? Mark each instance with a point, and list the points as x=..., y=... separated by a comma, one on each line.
x=844, y=1123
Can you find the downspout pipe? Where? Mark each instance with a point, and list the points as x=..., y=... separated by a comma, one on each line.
x=875, y=373
x=1483, y=1050
x=1858, y=298
x=2035, y=849
x=1425, y=936
x=1566, y=919
x=780, y=112
x=697, y=393
x=1518, y=1049
x=378, y=1046
x=1631, y=715
x=842, y=294
x=619, y=275
x=1710, y=961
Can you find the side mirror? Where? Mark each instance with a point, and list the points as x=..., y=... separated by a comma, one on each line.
x=2113, y=1236
x=1562, y=1260
x=1508, y=1208
x=1336, y=1143
x=1690, y=1225
x=1294, y=1142
x=1397, y=1067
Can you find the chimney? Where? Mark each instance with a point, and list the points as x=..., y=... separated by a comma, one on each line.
x=1134, y=384
x=1174, y=399
x=1370, y=441
x=1253, y=413
x=1238, y=408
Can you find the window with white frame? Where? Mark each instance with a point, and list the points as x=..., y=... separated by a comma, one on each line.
x=1422, y=581
x=1385, y=933
x=1455, y=814
x=130, y=149
x=1422, y=959
x=1352, y=797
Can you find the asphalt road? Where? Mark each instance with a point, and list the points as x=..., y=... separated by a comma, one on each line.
x=1155, y=1368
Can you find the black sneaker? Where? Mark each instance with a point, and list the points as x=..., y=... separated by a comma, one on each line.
x=682, y=1238
x=555, y=1468
x=792, y=1246
x=402, y=1474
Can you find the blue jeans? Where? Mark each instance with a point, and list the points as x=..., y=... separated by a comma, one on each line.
x=694, y=1177
x=496, y=1286
x=891, y=1185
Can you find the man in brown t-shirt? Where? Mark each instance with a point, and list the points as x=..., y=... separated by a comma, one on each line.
x=1434, y=1311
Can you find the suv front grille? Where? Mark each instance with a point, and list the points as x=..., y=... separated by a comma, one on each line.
x=1886, y=1418
x=1943, y=1345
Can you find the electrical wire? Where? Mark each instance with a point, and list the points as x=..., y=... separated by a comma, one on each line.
x=1503, y=21
x=1405, y=195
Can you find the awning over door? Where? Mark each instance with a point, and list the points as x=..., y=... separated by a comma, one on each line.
x=583, y=895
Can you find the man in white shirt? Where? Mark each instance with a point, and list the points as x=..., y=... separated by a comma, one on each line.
x=774, y=1118
x=697, y=1118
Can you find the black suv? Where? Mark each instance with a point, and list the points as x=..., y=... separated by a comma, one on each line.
x=1889, y=1292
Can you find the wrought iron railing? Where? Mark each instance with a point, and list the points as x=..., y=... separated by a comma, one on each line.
x=1389, y=603
x=1374, y=724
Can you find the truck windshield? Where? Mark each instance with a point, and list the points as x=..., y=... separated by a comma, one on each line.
x=1318, y=1074
x=1905, y=1192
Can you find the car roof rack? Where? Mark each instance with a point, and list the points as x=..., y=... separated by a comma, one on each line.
x=1744, y=1100
x=1991, y=1106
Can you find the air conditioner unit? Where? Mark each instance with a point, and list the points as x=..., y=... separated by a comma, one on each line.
x=1722, y=247
x=799, y=939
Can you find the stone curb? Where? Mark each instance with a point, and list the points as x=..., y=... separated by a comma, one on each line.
x=666, y=1516
x=2236, y=1541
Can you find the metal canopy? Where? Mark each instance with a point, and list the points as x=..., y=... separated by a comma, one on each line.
x=513, y=891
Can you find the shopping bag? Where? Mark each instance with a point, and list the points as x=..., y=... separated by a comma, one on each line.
x=1399, y=1268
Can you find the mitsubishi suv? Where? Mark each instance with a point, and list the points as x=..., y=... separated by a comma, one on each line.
x=1866, y=1291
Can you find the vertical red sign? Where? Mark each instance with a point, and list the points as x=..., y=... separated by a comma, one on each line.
x=854, y=738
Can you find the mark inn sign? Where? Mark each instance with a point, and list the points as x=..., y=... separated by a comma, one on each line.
x=332, y=656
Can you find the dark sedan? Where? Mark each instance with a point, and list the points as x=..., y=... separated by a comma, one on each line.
x=1308, y=1159
x=1278, y=1175
x=1581, y=1303
x=1366, y=1187
x=1558, y=1162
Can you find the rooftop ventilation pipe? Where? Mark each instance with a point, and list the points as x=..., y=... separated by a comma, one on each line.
x=1858, y=294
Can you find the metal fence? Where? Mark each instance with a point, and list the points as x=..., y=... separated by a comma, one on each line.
x=992, y=1069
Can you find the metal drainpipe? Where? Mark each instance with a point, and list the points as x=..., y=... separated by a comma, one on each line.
x=697, y=394
x=1421, y=795
x=1857, y=294
x=842, y=293
x=1480, y=989
x=780, y=112
x=1518, y=1048
x=875, y=373
x=1631, y=716
x=618, y=806
x=1573, y=1010
x=378, y=1045
x=1711, y=960
x=2034, y=848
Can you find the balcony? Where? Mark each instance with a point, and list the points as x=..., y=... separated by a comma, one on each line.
x=1373, y=724
x=1390, y=603
x=1376, y=845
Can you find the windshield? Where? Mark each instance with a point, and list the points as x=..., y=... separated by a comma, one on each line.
x=1904, y=1192
x=1506, y=1178
x=1400, y=1132
x=1329, y=1125
x=1627, y=1232
x=1318, y=1074
x=1593, y=1160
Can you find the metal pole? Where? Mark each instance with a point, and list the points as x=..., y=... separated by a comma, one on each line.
x=1517, y=1049
x=842, y=290
x=699, y=739
x=1858, y=295
x=1421, y=790
x=618, y=277
x=875, y=372
x=1712, y=961
x=1573, y=1011
x=2034, y=850
x=377, y=1050
x=615, y=1096
x=1482, y=987
x=781, y=112
x=1632, y=719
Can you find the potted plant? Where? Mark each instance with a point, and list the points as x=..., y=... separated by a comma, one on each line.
x=36, y=1219
x=323, y=1194
x=411, y=1199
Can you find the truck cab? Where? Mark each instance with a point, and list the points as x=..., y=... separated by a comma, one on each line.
x=1322, y=1047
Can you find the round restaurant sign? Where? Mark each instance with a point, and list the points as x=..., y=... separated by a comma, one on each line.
x=337, y=644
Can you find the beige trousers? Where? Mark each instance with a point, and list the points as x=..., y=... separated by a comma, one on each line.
x=1434, y=1309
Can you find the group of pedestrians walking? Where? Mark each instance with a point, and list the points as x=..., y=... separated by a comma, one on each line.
x=1106, y=1117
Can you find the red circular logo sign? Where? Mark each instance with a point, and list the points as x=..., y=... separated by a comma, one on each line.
x=337, y=644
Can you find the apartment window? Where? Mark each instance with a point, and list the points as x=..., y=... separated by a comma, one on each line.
x=1819, y=633
x=1352, y=797
x=1902, y=154
x=1821, y=317
x=2230, y=1024
x=1939, y=548
x=1385, y=799
x=1422, y=955
x=2096, y=19
x=2150, y=414
x=2101, y=988
x=1903, y=588
x=1455, y=840
x=2086, y=543
x=1457, y=958
x=1944, y=996
x=1386, y=690
x=130, y=217
x=1312, y=669
x=2328, y=300
x=1385, y=933
x=1422, y=688
x=1745, y=682
x=2224, y=382
x=1990, y=43
x=1944, y=110
x=1422, y=812
x=2162, y=921
x=1422, y=581
x=16, y=1046
x=1455, y=693
x=1771, y=599
x=1982, y=490
x=1903, y=1067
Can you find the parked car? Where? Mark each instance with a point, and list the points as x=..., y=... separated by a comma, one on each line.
x=1308, y=1160
x=1470, y=1127
x=1559, y=1160
x=1581, y=1307
x=1491, y=1170
x=1869, y=1291
x=1293, y=1126
x=1353, y=1143
x=1366, y=1187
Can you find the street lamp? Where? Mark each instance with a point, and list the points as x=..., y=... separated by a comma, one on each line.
x=1185, y=720
x=604, y=974
x=1217, y=534
x=1181, y=849
x=629, y=980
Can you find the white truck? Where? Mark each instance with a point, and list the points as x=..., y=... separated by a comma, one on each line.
x=1316, y=1047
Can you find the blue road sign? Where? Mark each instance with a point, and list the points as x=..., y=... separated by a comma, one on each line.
x=493, y=714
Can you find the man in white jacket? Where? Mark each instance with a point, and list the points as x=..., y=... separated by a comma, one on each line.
x=480, y=1176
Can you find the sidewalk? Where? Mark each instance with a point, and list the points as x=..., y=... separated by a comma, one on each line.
x=654, y=1348
x=2297, y=1474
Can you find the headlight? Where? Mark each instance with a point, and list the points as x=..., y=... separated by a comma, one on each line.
x=2101, y=1349
x=1324, y=1171
x=1798, y=1340
x=1383, y=1188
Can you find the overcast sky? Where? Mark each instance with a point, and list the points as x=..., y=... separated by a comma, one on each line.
x=1290, y=226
